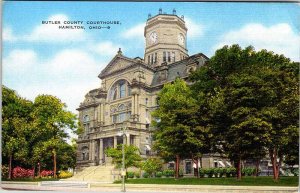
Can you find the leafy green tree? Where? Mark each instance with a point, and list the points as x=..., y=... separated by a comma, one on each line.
x=177, y=117
x=132, y=156
x=252, y=98
x=15, y=126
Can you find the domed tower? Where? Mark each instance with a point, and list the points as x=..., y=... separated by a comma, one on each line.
x=165, y=36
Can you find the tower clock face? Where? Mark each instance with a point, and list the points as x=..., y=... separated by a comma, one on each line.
x=181, y=39
x=153, y=37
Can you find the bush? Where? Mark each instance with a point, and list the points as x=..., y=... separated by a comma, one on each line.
x=216, y=172
x=130, y=174
x=168, y=173
x=201, y=172
x=145, y=175
x=209, y=172
x=233, y=172
x=46, y=173
x=158, y=174
x=222, y=172
x=19, y=172
x=248, y=171
x=137, y=174
x=228, y=172
x=295, y=172
x=4, y=172
x=152, y=165
x=65, y=174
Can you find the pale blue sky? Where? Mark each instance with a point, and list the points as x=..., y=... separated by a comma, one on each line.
x=42, y=59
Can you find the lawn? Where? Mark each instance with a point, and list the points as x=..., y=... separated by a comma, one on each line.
x=246, y=181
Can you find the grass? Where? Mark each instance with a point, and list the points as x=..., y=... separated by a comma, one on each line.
x=246, y=181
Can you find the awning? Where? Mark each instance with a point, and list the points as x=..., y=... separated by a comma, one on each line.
x=221, y=163
x=228, y=163
x=148, y=147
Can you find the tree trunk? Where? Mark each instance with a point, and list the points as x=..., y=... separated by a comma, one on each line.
x=239, y=169
x=256, y=167
x=197, y=166
x=10, y=167
x=177, y=167
x=54, y=163
x=33, y=171
x=39, y=170
x=273, y=157
x=201, y=161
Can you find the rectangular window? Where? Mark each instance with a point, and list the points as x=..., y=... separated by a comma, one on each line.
x=146, y=101
x=122, y=117
x=173, y=56
x=148, y=59
x=164, y=56
x=169, y=57
x=122, y=90
x=114, y=118
x=152, y=58
x=155, y=58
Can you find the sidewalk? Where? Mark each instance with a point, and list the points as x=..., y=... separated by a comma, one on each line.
x=36, y=186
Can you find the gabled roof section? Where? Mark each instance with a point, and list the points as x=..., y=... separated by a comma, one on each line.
x=121, y=62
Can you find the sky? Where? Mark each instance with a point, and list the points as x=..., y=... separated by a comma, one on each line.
x=43, y=59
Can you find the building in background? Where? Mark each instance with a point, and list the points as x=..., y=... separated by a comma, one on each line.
x=129, y=92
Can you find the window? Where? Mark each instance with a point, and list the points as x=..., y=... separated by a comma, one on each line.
x=155, y=58
x=122, y=90
x=118, y=118
x=152, y=58
x=173, y=56
x=169, y=57
x=146, y=101
x=164, y=56
x=86, y=118
x=148, y=59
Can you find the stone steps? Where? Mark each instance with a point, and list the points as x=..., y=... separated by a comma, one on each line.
x=94, y=174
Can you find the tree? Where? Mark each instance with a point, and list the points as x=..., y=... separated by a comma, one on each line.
x=51, y=122
x=15, y=126
x=252, y=98
x=36, y=132
x=177, y=117
x=132, y=156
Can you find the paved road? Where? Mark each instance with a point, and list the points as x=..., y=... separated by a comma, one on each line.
x=145, y=188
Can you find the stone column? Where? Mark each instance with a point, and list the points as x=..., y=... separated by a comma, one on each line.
x=137, y=141
x=133, y=104
x=115, y=141
x=137, y=105
x=128, y=139
x=90, y=150
x=101, y=151
x=99, y=113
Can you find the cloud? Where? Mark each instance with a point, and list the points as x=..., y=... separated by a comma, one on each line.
x=195, y=30
x=106, y=48
x=279, y=38
x=7, y=35
x=19, y=60
x=136, y=31
x=69, y=74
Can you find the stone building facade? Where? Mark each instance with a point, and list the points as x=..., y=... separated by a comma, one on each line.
x=129, y=91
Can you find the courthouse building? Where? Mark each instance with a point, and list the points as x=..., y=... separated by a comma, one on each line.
x=129, y=88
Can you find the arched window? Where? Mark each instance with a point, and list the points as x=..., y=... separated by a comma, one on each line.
x=86, y=118
x=120, y=89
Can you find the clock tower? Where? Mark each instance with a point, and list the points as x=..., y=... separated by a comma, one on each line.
x=165, y=36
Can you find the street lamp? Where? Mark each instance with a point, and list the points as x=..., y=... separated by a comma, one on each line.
x=123, y=172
